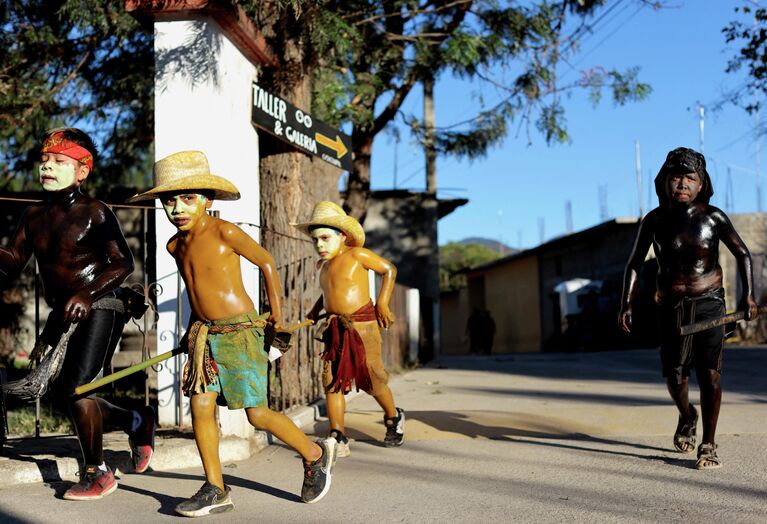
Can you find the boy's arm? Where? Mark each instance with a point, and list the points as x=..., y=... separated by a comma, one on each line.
x=737, y=247
x=109, y=237
x=245, y=246
x=633, y=267
x=380, y=265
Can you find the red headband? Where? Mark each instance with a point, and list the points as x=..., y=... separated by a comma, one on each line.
x=58, y=144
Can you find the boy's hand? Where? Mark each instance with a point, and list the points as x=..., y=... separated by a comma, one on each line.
x=77, y=308
x=276, y=323
x=384, y=315
x=749, y=307
x=624, y=319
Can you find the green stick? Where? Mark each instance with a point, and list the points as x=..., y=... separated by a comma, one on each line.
x=127, y=371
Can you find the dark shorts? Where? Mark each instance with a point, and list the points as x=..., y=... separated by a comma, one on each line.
x=89, y=350
x=702, y=350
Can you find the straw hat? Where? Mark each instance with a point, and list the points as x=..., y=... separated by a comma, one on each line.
x=332, y=215
x=187, y=171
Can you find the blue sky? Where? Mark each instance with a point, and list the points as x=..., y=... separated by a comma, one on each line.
x=520, y=187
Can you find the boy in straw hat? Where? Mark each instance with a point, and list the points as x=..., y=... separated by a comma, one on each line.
x=351, y=331
x=227, y=361
x=83, y=258
x=685, y=231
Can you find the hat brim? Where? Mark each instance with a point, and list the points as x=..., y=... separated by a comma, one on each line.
x=221, y=187
x=355, y=235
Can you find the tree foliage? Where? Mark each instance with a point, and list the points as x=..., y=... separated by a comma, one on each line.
x=752, y=35
x=383, y=49
x=454, y=257
x=82, y=63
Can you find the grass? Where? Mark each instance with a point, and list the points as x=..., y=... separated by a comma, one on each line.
x=21, y=421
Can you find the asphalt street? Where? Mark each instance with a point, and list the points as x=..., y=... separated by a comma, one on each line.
x=525, y=438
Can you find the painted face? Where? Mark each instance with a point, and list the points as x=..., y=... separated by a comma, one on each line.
x=58, y=172
x=327, y=242
x=185, y=210
x=683, y=187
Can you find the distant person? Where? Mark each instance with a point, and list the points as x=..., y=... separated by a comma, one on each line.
x=486, y=332
x=227, y=362
x=351, y=331
x=685, y=232
x=83, y=259
x=474, y=331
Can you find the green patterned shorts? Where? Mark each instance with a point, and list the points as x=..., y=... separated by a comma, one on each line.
x=242, y=363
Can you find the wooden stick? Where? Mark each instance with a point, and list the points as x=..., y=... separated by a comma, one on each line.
x=155, y=360
x=703, y=325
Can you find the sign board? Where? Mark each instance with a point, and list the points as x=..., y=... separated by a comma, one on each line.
x=292, y=125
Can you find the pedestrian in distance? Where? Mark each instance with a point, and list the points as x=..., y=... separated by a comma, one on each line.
x=685, y=231
x=227, y=362
x=351, y=332
x=83, y=258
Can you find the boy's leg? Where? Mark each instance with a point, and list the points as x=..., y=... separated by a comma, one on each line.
x=709, y=381
x=140, y=427
x=206, y=435
x=318, y=457
x=336, y=403
x=213, y=496
x=385, y=399
x=284, y=429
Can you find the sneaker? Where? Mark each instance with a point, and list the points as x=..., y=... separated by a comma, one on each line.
x=317, y=473
x=94, y=484
x=142, y=440
x=395, y=429
x=342, y=449
x=209, y=499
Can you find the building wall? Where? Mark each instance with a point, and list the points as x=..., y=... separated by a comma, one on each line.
x=454, y=310
x=511, y=296
x=202, y=101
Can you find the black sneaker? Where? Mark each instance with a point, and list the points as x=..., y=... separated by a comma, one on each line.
x=209, y=499
x=317, y=473
x=342, y=450
x=395, y=429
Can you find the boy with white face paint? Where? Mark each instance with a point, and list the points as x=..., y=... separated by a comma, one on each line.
x=83, y=258
x=351, y=331
x=227, y=362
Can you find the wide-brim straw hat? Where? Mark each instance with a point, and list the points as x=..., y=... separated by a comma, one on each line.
x=332, y=215
x=187, y=171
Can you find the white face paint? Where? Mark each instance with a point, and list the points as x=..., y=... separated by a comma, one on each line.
x=327, y=242
x=184, y=210
x=57, y=172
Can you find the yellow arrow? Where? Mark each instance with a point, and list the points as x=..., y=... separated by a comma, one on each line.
x=336, y=145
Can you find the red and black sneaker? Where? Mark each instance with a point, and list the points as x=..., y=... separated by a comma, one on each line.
x=142, y=440
x=94, y=484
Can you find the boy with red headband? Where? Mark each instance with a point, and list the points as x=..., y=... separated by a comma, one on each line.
x=83, y=258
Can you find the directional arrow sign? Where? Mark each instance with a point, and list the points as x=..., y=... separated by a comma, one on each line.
x=299, y=129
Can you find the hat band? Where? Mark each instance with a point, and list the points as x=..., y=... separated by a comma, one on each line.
x=60, y=145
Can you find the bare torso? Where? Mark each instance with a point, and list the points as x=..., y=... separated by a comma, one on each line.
x=686, y=243
x=211, y=271
x=344, y=282
x=78, y=245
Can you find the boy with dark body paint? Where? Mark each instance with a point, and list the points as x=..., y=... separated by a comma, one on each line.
x=83, y=258
x=227, y=361
x=685, y=231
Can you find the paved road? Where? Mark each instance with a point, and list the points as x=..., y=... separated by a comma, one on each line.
x=529, y=438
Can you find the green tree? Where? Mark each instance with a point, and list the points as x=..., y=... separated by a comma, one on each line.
x=381, y=50
x=454, y=257
x=82, y=63
x=751, y=33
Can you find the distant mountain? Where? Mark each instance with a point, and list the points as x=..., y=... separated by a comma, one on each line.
x=499, y=247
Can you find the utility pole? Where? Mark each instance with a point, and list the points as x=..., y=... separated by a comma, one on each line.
x=702, y=115
x=603, y=202
x=428, y=135
x=569, y=216
x=541, y=229
x=639, y=178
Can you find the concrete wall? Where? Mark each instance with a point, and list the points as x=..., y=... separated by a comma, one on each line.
x=202, y=101
x=511, y=296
